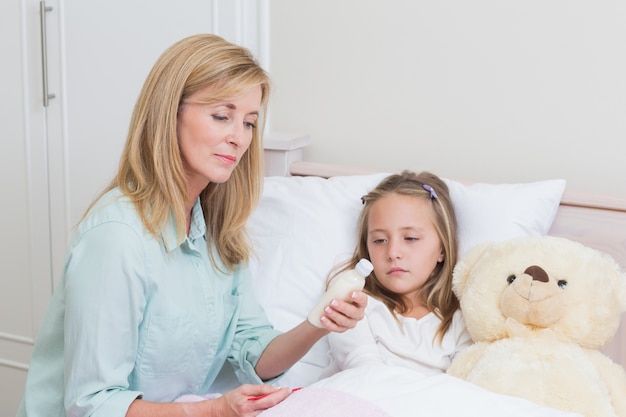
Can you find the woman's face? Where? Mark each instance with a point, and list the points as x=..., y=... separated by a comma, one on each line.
x=403, y=244
x=213, y=137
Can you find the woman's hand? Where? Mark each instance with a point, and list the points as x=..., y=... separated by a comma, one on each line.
x=243, y=401
x=287, y=348
x=240, y=402
x=341, y=315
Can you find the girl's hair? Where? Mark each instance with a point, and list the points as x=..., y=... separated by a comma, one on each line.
x=151, y=170
x=437, y=291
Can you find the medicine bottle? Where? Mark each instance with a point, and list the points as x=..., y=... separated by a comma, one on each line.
x=341, y=287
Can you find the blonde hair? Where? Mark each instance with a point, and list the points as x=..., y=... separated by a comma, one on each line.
x=437, y=292
x=151, y=170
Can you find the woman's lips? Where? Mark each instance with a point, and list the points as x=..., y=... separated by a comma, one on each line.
x=227, y=159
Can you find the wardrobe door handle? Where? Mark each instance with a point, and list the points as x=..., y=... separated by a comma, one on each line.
x=43, y=9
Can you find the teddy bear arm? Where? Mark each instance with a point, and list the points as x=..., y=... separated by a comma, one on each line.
x=614, y=378
x=465, y=361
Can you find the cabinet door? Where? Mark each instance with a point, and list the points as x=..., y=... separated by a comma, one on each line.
x=25, y=274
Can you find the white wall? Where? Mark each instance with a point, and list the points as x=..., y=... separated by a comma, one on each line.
x=485, y=90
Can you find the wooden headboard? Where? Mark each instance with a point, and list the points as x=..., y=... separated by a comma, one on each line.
x=596, y=221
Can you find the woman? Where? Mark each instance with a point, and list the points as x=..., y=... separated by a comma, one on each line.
x=156, y=295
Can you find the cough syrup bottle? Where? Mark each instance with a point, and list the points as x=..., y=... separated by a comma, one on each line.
x=341, y=288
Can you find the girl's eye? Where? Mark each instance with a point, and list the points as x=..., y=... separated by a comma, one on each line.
x=379, y=241
x=250, y=125
x=411, y=239
x=220, y=117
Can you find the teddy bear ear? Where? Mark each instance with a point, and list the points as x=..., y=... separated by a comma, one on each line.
x=465, y=265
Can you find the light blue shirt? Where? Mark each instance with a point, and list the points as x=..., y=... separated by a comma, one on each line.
x=136, y=315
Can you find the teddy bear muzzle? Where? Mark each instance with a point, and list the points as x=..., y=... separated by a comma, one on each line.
x=531, y=299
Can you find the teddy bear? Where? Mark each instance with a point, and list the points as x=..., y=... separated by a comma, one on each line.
x=539, y=309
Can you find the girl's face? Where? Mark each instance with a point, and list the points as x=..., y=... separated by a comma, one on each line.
x=403, y=243
x=213, y=137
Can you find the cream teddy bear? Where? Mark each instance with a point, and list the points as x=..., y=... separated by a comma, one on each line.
x=538, y=309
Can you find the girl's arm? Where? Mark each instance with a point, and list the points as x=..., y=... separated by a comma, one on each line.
x=286, y=349
x=356, y=348
x=462, y=336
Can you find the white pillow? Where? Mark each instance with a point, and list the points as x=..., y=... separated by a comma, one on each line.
x=305, y=226
x=487, y=212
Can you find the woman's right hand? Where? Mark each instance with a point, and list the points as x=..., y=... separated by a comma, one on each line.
x=242, y=401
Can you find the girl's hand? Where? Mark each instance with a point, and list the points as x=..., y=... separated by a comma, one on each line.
x=341, y=315
x=242, y=402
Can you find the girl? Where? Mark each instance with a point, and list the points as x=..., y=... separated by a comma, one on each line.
x=407, y=229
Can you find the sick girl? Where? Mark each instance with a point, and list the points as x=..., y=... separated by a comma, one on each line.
x=408, y=230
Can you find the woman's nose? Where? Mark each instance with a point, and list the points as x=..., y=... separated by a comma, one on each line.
x=236, y=134
x=233, y=139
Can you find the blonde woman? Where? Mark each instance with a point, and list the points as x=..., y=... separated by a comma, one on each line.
x=156, y=294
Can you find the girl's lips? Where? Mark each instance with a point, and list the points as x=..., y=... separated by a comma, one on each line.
x=395, y=271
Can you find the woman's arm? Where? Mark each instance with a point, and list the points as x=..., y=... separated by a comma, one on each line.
x=286, y=349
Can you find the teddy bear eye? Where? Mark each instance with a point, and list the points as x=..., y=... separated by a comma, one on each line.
x=562, y=283
x=510, y=279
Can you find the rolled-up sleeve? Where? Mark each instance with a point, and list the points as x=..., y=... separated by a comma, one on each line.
x=253, y=331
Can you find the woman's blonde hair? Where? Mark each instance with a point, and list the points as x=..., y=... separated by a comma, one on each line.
x=437, y=291
x=151, y=168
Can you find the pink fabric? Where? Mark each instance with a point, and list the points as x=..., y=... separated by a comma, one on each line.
x=324, y=402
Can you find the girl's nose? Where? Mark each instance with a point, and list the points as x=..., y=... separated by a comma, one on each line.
x=393, y=251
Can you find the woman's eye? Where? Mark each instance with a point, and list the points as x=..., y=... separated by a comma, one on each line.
x=220, y=117
x=250, y=125
x=411, y=239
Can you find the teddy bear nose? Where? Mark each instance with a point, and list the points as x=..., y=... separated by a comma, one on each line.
x=537, y=273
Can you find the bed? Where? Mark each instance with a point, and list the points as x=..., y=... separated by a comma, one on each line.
x=305, y=225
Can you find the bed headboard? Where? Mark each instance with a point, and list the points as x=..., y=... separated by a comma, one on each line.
x=596, y=221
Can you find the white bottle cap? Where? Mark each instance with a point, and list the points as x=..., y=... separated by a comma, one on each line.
x=364, y=267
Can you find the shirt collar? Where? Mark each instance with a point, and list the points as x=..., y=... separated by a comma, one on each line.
x=197, y=228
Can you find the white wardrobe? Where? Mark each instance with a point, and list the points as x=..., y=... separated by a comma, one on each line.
x=70, y=74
